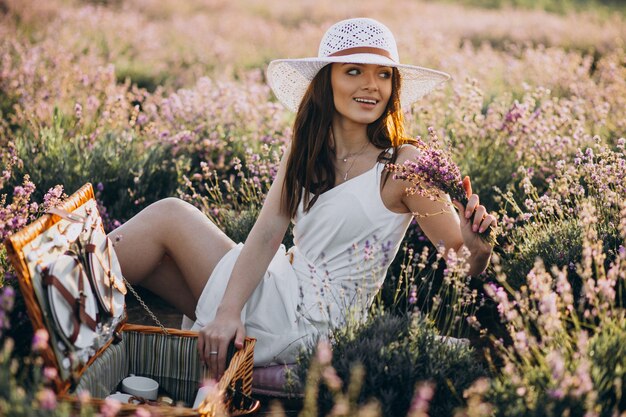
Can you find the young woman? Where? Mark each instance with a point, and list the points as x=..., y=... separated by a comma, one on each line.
x=349, y=215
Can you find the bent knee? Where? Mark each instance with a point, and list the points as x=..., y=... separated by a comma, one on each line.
x=173, y=216
x=172, y=205
x=172, y=209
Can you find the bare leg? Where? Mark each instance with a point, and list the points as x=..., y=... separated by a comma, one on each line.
x=171, y=248
x=168, y=282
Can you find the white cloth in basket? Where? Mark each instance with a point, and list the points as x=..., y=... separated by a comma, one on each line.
x=343, y=247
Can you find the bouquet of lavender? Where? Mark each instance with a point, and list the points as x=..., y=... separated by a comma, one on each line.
x=433, y=174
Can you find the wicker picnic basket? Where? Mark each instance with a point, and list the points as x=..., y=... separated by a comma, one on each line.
x=90, y=343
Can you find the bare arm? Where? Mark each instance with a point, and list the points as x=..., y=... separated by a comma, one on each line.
x=256, y=255
x=441, y=223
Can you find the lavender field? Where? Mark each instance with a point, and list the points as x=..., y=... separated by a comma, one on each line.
x=147, y=99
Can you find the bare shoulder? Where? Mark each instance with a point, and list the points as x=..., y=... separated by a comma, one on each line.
x=394, y=190
x=407, y=151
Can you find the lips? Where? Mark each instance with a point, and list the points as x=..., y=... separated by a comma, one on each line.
x=366, y=100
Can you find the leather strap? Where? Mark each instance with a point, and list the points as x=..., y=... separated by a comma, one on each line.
x=109, y=282
x=82, y=312
x=91, y=249
x=49, y=279
x=64, y=214
x=79, y=313
x=363, y=50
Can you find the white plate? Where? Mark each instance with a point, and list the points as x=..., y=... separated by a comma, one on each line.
x=107, y=274
x=120, y=396
x=66, y=270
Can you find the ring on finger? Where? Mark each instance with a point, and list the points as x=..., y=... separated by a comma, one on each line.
x=213, y=352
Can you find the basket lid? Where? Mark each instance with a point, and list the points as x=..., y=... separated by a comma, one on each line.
x=71, y=283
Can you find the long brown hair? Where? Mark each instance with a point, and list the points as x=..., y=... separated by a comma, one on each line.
x=310, y=165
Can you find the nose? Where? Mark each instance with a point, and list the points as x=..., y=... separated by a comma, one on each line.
x=370, y=82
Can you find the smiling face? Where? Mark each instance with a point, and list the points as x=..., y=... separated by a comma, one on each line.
x=360, y=91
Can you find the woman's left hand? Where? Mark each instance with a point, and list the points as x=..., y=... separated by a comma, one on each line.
x=470, y=229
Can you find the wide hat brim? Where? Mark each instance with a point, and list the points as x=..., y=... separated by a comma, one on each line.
x=289, y=78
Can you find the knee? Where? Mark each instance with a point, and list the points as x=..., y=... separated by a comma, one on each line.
x=173, y=203
x=171, y=206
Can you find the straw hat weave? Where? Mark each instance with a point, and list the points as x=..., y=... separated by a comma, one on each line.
x=357, y=41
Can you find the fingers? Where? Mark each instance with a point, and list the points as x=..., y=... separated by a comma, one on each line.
x=220, y=358
x=487, y=221
x=465, y=213
x=211, y=351
x=210, y=355
x=204, y=347
x=239, y=337
x=215, y=355
x=213, y=345
x=201, y=346
x=482, y=219
x=480, y=214
x=471, y=206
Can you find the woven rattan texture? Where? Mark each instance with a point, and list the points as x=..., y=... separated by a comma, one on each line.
x=355, y=33
x=15, y=245
x=100, y=380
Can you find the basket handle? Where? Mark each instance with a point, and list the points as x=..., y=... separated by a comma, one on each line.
x=64, y=214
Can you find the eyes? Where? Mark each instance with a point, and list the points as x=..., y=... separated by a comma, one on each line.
x=384, y=73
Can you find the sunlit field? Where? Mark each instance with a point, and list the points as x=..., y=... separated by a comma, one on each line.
x=148, y=99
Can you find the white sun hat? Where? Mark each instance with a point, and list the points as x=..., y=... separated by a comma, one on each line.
x=357, y=41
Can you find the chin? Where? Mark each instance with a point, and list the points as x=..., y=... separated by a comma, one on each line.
x=359, y=117
x=365, y=119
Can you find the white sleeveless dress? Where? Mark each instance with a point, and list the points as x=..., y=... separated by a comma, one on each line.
x=342, y=249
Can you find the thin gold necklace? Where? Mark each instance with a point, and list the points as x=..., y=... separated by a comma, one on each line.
x=356, y=155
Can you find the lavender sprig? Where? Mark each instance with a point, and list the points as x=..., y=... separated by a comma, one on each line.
x=433, y=174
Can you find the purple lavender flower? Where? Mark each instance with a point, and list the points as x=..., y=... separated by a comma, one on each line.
x=7, y=299
x=433, y=174
x=413, y=295
x=47, y=399
x=40, y=340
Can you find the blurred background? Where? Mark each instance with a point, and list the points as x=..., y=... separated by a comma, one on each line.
x=172, y=43
x=148, y=99
x=154, y=98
